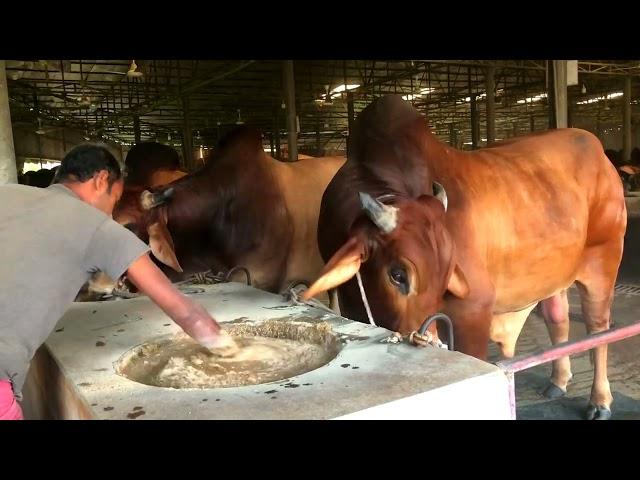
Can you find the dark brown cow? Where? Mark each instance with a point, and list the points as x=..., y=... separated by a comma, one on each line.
x=148, y=165
x=243, y=208
x=146, y=159
x=525, y=219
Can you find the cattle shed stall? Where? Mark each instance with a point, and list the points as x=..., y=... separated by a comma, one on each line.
x=307, y=108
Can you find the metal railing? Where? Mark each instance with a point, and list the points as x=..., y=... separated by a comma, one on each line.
x=523, y=362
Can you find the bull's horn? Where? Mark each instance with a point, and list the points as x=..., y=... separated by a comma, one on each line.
x=150, y=200
x=384, y=216
x=440, y=193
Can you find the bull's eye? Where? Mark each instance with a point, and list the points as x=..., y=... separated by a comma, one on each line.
x=399, y=278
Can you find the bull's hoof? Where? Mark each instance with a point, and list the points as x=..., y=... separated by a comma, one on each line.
x=553, y=391
x=595, y=412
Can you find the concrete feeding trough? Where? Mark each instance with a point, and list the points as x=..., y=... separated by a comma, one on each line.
x=92, y=367
x=269, y=351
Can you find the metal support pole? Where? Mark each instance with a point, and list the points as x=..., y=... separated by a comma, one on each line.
x=290, y=101
x=475, y=123
x=558, y=94
x=8, y=171
x=490, y=84
x=626, y=120
x=350, y=111
x=187, y=145
x=136, y=129
x=276, y=131
x=569, y=116
x=318, y=152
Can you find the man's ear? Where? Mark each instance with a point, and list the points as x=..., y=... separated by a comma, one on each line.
x=101, y=181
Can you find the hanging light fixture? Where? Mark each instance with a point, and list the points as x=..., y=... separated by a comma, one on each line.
x=133, y=70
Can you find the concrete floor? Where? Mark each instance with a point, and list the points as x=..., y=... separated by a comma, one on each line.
x=624, y=360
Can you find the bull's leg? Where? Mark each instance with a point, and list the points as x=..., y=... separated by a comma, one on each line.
x=555, y=311
x=596, y=304
x=596, y=282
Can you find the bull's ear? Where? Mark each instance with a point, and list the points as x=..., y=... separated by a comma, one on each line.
x=161, y=243
x=458, y=284
x=344, y=264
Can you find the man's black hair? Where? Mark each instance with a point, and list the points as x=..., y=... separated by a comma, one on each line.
x=84, y=161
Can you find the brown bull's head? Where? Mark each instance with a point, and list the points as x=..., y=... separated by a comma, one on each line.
x=146, y=215
x=160, y=239
x=406, y=258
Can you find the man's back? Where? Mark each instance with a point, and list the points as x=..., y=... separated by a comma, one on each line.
x=50, y=244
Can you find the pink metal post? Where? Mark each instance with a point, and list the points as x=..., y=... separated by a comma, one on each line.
x=520, y=363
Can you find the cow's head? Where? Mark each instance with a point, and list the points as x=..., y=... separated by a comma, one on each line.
x=145, y=214
x=136, y=211
x=160, y=239
x=406, y=258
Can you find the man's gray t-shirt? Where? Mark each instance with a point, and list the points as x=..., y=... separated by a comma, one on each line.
x=50, y=244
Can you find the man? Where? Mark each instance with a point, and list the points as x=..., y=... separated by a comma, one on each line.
x=51, y=241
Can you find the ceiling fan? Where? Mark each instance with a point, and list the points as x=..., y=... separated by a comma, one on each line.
x=44, y=130
x=133, y=71
x=325, y=99
x=39, y=128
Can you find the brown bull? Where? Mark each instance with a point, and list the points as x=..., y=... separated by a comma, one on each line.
x=243, y=208
x=519, y=223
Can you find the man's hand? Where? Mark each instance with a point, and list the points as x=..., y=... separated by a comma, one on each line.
x=191, y=317
x=199, y=325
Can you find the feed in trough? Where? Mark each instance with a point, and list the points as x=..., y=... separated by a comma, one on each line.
x=267, y=352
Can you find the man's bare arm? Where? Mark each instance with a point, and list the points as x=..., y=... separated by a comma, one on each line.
x=189, y=315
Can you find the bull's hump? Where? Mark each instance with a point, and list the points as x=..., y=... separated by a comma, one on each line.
x=242, y=141
x=384, y=118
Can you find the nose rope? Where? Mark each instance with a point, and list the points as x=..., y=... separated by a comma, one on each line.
x=364, y=300
x=422, y=337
